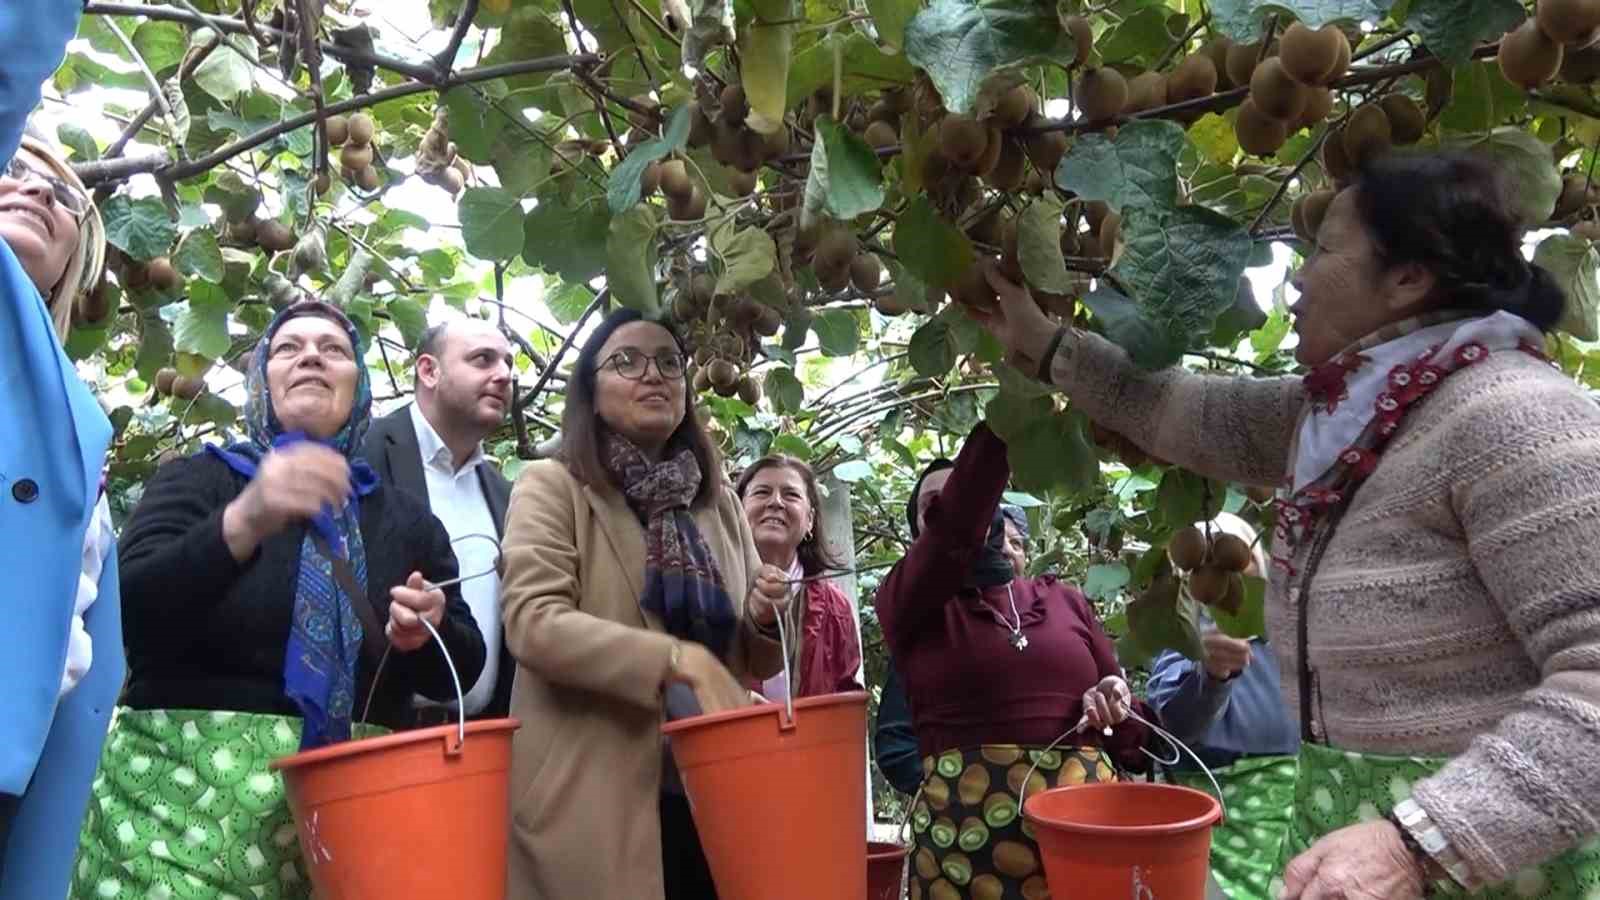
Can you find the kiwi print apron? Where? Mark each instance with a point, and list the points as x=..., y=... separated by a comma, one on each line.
x=1336, y=788
x=184, y=807
x=1259, y=794
x=969, y=839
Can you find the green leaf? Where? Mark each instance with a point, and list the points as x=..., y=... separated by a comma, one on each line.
x=932, y=351
x=623, y=191
x=1039, y=246
x=1140, y=39
x=1009, y=415
x=959, y=43
x=1452, y=29
x=84, y=341
x=1269, y=337
x=77, y=139
x=1251, y=619
x=224, y=74
x=521, y=156
x=162, y=44
x=838, y=332
x=529, y=32
x=139, y=228
x=1105, y=581
x=567, y=240
x=792, y=444
x=1183, y=267
x=929, y=246
x=198, y=256
x=1242, y=19
x=631, y=259
x=765, y=50
x=202, y=325
x=846, y=179
x=1527, y=160
x=155, y=345
x=1573, y=261
x=1139, y=169
x=1051, y=453
x=568, y=302
x=475, y=125
x=1213, y=136
x=491, y=223
x=1482, y=98
x=749, y=256
x=862, y=65
x=1147, y=342
x=1181, y=498
x=1164, y=618
x=785, y=390
x=890, y=18
x=1243, y=317
x=853, y=471
x=409, y=316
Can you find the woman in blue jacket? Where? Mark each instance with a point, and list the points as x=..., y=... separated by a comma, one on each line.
x=63, y=662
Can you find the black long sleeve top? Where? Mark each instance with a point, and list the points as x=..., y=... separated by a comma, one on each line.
x=205, y=631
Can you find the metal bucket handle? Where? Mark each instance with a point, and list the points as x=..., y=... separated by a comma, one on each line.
x=461, y=699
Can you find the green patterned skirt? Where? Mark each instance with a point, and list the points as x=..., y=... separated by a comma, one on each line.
x=1337, y=788
x=184, y=808
x=1259, y=795
x=969, y=840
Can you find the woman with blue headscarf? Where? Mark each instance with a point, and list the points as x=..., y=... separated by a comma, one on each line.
x=261, y=585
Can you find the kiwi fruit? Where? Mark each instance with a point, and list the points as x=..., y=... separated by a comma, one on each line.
x=881, y=134
x=1307, y=213
x=748, y=390
x=972, y=287
x=1319, y=103
x=1574, y=197
x=1095, y=212
x=963, y=141
x=185, y=387
x=1342, y=64
x=1194, y=77
x=687, y=207
x=1259, y=134
x=1528, y=58
x=1568, y=21
x=833, y=281
x=1034, y=183
x=360, y=130
x=1045, y=151
x=1014, y=106
x=93, y=306
x=833, y=256
x=884, y=111
x=767, y=321
x=726, y=143
x=743, y=184
x=891, y=304
x=243, y=232
x=1366, y=134
x=1580, y=66
x=1147, y=90
x=1208, y=585
x=355, y=157
x=324, y=182
x=1011, y=253
x=1241, y=63
x=1071, y=243
x=866, y=272
x=165, y=379
x=1588, y=229
x=368, y=179
x=644, y=121
x=1307, y=55
x=752, y=150
x=774, y=145
x=1230, y=553
x=1082, y=38
x=987, y=228
x=702, y=380
x=674, y=178
x=1010, y=164
x=338, y=130
x=1335, y=162
x=162, y=275
x=1187, y=549
x=1101, y=94
x=723, y=375
x=650, y=179
x=1216, y=50
x=991, y=153
x=274, y=236
x=1275, y=93
x=1406, y=121
x=734, y=107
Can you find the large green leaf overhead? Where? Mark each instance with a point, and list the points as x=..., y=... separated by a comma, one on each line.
x=961, y=43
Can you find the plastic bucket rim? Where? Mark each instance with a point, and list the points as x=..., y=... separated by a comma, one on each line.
x=1209, y=819
x=884, y=851
x=762, y=709
x=362, y=746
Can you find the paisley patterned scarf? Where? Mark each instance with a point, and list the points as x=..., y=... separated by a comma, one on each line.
x=682, y=584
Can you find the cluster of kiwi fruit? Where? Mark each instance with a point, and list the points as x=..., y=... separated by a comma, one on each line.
x=838, y=260
x=686, y=202
x=246, y=230
x=1215, y=562
x=185, y=387
x=353, y=137
x=438, y=161
x=1534, y=52
x=92, y=306
x=158, y=274
x=720, y=365
x=1372, y=130
x=1289, y=83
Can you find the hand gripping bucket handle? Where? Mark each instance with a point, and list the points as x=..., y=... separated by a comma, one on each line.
x=1178, y=748
x=461, y=699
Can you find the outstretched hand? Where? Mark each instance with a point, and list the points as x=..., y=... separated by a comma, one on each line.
x=1016, y=321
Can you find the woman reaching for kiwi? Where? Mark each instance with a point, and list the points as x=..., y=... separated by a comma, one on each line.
x=1432, y=599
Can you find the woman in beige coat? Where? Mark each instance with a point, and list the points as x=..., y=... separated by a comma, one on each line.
x=631, y=576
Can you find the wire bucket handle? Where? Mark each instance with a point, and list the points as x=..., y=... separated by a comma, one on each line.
x=787, y=723
x=455, y=677
x=1178, y=749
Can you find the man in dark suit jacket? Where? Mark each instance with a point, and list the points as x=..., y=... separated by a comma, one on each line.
x=433, y=449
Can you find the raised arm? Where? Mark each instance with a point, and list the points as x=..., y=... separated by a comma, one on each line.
x=755, y=652
x=1232, y=428
x=1187, y=699
x=33, y=41
x=957, y=524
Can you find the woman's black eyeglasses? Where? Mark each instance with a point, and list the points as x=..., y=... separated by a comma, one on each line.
x=633, y=364
x=65, y=194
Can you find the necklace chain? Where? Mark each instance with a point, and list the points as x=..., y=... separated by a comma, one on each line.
x=1019, y=641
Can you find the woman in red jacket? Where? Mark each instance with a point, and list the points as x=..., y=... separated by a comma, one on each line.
x=780, y=500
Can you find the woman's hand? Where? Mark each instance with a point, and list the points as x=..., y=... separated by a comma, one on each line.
x=714, y=686
x=1361, y=862
x=291, y=485
x=1016, y=321
x=408, y=606
x=1107, y=703
x=769, y=596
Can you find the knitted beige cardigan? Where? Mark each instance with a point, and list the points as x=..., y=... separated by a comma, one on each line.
x=1456, y=611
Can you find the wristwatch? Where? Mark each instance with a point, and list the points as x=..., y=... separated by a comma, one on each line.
x=1433, y=850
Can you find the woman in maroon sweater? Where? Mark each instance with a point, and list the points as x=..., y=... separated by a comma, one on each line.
x=996, y=668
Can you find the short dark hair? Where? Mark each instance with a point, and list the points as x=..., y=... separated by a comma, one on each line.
x=432, y=341
x=582, y=429
x=1455, y=213
x=814, y=553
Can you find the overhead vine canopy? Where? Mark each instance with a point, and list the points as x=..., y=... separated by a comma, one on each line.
x=789, y=178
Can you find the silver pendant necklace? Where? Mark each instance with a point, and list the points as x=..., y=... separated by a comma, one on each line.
x=1019, y=641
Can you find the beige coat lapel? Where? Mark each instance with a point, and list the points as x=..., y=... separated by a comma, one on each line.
x=623, y=532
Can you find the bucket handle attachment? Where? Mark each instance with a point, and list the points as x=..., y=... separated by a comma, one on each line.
x=1178, y=748
x=787, y=723
x=461, y=699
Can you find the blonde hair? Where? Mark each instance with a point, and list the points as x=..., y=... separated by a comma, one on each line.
x=87, y=264
x=1228, y=523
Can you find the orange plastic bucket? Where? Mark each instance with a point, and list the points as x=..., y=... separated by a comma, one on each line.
x=451, y=795
x=886, y=869
x=780, y=803
x=1133, y=840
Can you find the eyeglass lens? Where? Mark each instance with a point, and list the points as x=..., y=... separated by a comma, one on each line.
x=65, y=194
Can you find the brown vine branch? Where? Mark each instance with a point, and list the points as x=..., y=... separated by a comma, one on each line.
x=190, y=62
x=446, y=59
x=1283, y=186
x=566, y=344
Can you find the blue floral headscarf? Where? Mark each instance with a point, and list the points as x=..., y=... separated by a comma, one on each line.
x=325, y=634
